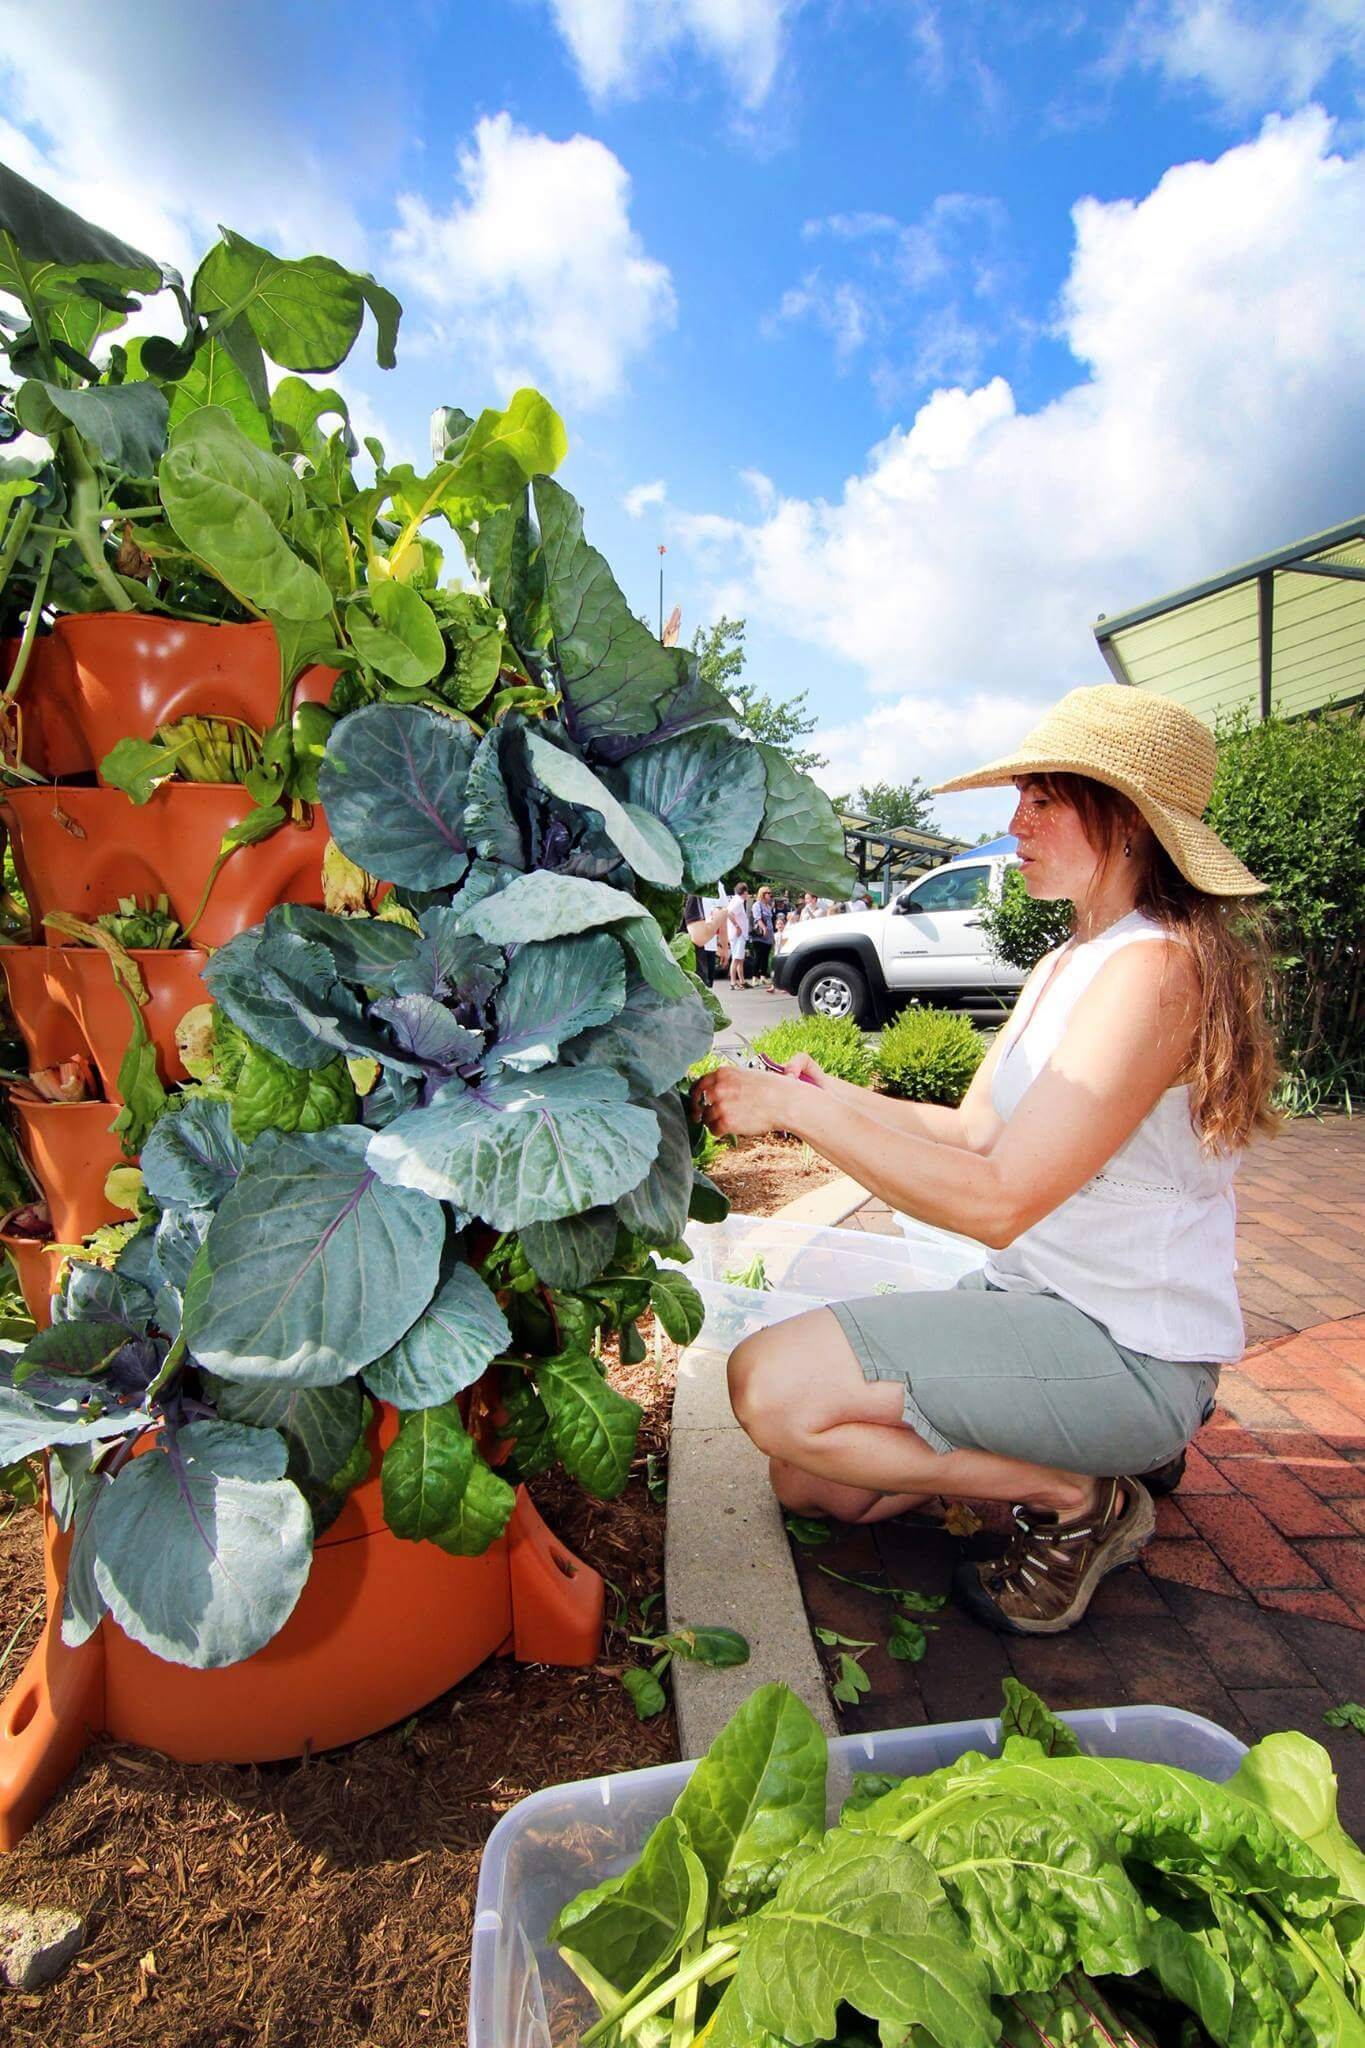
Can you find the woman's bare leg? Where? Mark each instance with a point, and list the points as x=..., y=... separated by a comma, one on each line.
x=800, y=1494
x=799, y=1393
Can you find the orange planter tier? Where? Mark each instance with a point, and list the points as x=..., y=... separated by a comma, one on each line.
x=106, y=675
x=382, y=1628
x=79, y=850
x=38, y=1004
x=69, y=1149
x=174, y=985
x=66, y=1002
x=36, y=1264
x=44, y=735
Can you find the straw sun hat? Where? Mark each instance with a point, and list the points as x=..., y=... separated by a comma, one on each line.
x=1160, y=756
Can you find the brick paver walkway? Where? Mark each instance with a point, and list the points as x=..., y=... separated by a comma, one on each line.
x=1249, y=1605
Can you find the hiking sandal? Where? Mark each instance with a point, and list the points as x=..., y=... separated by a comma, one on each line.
x=1043, y=1583
x=1164, y=1479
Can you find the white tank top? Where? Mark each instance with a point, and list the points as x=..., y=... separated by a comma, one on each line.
x=1148, y=1246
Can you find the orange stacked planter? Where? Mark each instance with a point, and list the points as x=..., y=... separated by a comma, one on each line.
x=383, y=1626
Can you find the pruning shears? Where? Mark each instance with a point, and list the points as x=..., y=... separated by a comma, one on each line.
x=773, y=1066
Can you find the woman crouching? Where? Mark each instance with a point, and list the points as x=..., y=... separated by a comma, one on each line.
x=1094, y=1153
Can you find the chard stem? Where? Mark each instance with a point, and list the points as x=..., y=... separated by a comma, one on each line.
x=24, y=516
x=907, y=1831
x=630, y=2018
x=86, y=528
x=21, y=659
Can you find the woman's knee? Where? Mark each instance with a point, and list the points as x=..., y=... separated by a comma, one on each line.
x=758, y=1393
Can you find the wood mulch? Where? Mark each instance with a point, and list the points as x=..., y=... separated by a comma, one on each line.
x=761, y=1174
x=334, y=1898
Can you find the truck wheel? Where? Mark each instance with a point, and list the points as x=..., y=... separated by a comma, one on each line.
x=833, y=989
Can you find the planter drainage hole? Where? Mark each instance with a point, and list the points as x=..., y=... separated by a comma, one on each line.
x=22, y=1712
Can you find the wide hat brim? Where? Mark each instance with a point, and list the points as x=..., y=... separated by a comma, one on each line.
x=1195, y=847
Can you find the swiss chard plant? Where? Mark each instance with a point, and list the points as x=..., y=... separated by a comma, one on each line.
x=1041, y=1897
x=428, y=1136
x=181, y=480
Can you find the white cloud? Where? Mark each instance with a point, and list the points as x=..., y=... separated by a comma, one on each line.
x=902, y=302
x=640, y=497
x=761, y=488
x=536, y=269
x=160, y=132
x=1249, y=56
x=1214, y=415
x=621, y=47
x=839, y=308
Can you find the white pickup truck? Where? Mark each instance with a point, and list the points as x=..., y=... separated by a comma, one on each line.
x=928, y=945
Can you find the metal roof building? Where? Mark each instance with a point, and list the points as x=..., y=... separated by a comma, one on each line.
x=892, y=854
x=1284, y=634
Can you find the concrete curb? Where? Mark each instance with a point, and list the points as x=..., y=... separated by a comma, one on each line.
x=726, y=1557
x=825, y=1205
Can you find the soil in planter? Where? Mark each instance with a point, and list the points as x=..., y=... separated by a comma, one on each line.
x=760, y=1175
x=331, y=1899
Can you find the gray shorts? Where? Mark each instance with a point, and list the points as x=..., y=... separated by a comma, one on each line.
x=1026, y=1376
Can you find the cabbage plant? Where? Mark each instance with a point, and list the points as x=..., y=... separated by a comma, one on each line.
x=427, y=1139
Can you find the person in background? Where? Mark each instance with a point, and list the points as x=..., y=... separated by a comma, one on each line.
x=763, y=936
x=810, y=907
x=706, y=920
x=861, y=898
x=739, y=934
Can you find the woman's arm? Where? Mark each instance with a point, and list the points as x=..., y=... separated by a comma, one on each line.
x=1127, y=1041
x=973, y=1125
x=700, y=929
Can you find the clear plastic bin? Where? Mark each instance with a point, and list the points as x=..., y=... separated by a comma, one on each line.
x=807, y=1265
x=551, y=1845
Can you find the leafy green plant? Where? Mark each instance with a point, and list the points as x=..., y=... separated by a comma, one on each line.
x=718, y=1648
x=807, y=1530
x=1019, y=928
x=1289, y=798
x=754, y=1275
x=1038, y=1896
x=835, y=1043
x=1348, y=1715
x=851, y=1682
x=929, y=1056
x=86, y=529
x=133, y=927
x=424, y=1143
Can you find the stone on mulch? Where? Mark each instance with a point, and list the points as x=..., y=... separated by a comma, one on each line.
x=36, y=1947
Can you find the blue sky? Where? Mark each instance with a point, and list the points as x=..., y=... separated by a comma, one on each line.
x=919, y=334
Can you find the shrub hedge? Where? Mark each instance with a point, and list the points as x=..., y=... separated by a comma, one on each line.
x=1289, y=799
x=929, y=1056
x=1019, y=929
x=836, y=1042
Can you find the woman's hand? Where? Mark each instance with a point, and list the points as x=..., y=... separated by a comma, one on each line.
x=802, y=1067
x=743, y=1102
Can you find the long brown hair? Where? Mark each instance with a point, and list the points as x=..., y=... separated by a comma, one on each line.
x=1232, y=1071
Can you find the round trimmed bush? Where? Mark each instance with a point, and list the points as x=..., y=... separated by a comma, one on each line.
x=929, y=1056
x=836, y=1042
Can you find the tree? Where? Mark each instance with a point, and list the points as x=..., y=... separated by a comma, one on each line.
x=906, y=805
x=778, y=721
